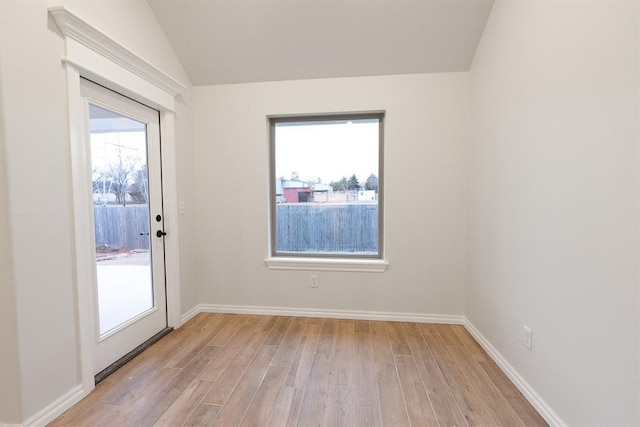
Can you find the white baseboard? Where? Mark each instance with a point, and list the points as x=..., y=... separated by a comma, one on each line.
x=525, y=388
x=56, y=408
x=189, y=315
x=11, y=425
x=327, y=313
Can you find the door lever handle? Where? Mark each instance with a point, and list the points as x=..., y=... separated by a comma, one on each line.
x=160, y=233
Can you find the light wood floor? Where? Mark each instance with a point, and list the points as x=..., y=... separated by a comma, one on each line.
x=230, y=370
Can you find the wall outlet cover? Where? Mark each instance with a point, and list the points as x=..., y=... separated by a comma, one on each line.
x=527, y=337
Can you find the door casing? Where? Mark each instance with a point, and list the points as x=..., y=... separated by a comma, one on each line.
x=92, y=54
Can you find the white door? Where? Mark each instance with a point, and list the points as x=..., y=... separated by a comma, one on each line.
x=123, y=137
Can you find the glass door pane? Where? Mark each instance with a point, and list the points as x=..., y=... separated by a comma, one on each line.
x=121, y=217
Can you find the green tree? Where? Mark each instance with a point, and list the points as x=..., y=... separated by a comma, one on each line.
x=352, y=183
x=371, y=183
x=340, y=185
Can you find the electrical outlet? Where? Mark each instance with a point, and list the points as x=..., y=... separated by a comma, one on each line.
x=527, y=336
x=314, y=280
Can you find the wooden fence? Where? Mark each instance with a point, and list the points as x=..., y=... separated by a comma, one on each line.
x=310, y=227
x=300, y=227
x=121, y=226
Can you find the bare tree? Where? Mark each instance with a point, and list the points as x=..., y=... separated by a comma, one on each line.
x=101, y=184
x=139, y=189
x=120, y=174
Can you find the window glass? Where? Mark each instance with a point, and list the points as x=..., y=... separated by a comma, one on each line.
x=326, y=190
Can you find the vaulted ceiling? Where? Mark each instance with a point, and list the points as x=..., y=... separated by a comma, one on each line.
x=238, y=41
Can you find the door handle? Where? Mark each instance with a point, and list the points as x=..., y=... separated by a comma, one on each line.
x=160, y=233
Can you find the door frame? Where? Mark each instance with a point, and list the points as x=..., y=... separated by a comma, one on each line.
x=91, y=54
x=114, y=344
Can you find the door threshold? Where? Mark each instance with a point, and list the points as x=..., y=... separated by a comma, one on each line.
x=100, y=376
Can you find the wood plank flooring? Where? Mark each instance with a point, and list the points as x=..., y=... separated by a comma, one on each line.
x=240, y=370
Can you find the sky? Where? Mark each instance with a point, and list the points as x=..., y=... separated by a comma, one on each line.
x=327, y=151
x=106, y=148
x=114, y=136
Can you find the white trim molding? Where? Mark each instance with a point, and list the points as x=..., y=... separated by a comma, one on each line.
x=171, y=212
x=92, y=54
x=327, y=264
x=82, y=224
x=525, y=388
x=56, y=408
x=71, y=26
x=190, y=314
x=324, y=313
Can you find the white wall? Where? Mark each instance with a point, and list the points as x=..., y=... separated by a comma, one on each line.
x=553, y=201
x=38, y=172
x=10, y=401
x=185, y=167
x=425, y=172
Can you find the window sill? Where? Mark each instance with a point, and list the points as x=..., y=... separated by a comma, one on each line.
x=327, y=264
